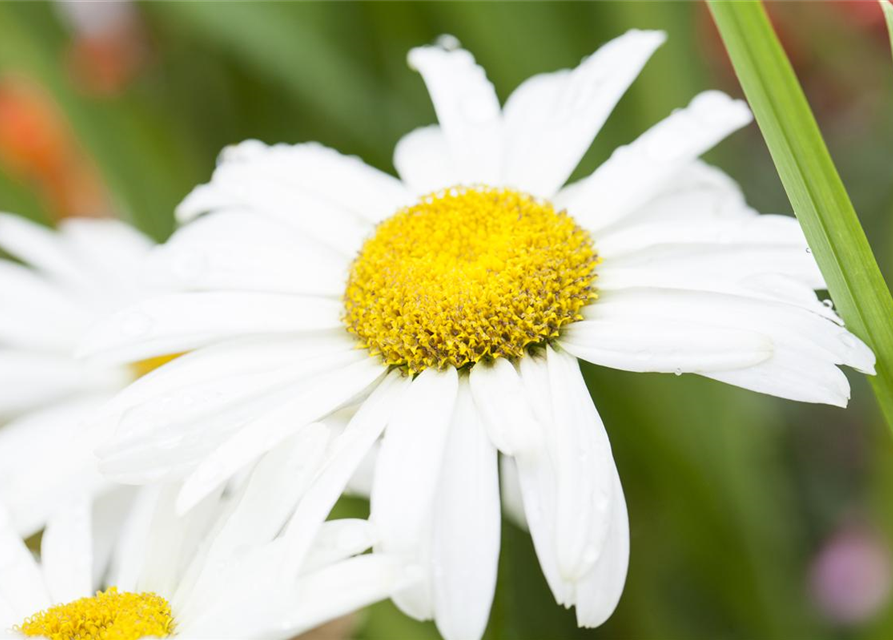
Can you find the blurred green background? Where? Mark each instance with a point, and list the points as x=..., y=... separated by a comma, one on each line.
x=751, y=517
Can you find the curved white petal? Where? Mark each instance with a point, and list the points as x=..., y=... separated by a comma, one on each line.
x=789, y=326
x=47, y=461
x=499, y=397
x=538, y=481
x=32, y=307
x=338, y=540
x=66, y=552
x=22, y=589
x=584, y=468
x=465, y=550
x=43, y=249
x=551, y=119
x=311, y=167
x=656, y=344
x=793, y=376
x=185, y=321
x=111, y=251
x=467, y=109
x=408, y=471
x=707, y=266
x=599, y=591
x=767, y=229
x=423, y=160
x=511, y=493
x=635, y=173
x=236, y=251
x=269, y=496
x=30, y=380
x=156, y=441
x=698, y=193
x=805, y=345
x=346, y=453
x=345, y=587
x=315, y=399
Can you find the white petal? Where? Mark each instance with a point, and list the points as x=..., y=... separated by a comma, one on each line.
x=551, y=119
x=47, y=460
x=412, y=448
x=32, y=306
x=598, y=592
x=537, y=477
x=772, y=230
x=656, y=344
x=338, y=540
x=637, y=172
x=173, y=541
x=273, y=489
x=467, y=109
x=177, y=414
x=584, y=468
x=697, y=193
x=511, y=493
x=422, y=158
x=788, y=326
x=21, y=583
x=805, y=345
x=133, y=541
x=465, y=551
x=237, y=251
x=185, y=321
x=793, y=376
x=345, y=587
x=709, y=266
x=347, y=451
x=499, y=398
x=112, y=251
x=318, y=397
x=29, y=380
x=43, y=249
x=301, y=173
x=66, y=552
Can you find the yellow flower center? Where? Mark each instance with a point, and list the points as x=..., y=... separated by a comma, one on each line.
x=465, y=274
x=108, y=615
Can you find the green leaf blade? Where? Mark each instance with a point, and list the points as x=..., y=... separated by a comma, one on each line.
x=811, y=182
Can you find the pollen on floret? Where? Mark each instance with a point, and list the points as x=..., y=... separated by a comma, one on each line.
x=109, y=615
x=468, y=273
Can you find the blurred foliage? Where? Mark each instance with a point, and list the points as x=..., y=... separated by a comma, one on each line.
x=731, y=494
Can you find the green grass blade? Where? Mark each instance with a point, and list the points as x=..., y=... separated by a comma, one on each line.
x=887, y=6
x=811, y=181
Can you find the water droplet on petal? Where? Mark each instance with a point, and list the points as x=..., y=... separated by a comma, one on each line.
x=448, y=42
x=808, y=250
x=829, y=304
x=678, y=372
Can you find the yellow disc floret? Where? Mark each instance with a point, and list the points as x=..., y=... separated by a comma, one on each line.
x=465, y=274
x=109, y=615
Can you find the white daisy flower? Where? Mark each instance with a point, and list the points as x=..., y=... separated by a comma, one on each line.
x=61, y=283
x=222, y=571
x=474, y=282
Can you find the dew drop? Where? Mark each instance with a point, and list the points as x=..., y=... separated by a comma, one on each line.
x=678, y=372
x=828, y=304
x=808, y=250
x=448, y=42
